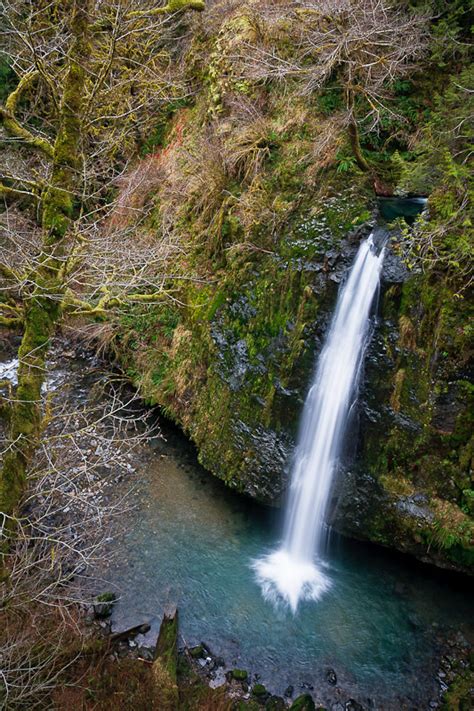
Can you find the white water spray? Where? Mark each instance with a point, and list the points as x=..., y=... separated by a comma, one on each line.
x=291, y=573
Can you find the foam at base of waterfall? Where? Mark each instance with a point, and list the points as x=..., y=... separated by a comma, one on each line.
x=286, y=579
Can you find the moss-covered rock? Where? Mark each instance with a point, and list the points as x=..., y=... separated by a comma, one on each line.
x=104, y=604
x=197, y=652
x=410, y=486
x=303, y=703
x=259, y=690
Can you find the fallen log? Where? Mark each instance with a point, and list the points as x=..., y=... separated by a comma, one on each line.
x=165, y=663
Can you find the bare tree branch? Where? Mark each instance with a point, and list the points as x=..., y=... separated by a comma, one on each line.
x=11, y=124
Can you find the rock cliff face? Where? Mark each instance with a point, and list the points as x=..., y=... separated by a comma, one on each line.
x=259, y=190
x=234, y=373
x=408, y=485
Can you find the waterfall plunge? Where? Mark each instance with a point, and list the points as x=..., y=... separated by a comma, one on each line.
x=291, y=572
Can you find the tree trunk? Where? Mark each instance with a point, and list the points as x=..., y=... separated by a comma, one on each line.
x=356, y=148
x=44, y=309
x=354, y=129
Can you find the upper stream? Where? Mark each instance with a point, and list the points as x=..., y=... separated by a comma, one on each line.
x=190, y=542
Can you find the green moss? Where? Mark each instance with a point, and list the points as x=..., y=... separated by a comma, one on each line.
x=165, y=665
x=104, y=603
x=106, y=597
x=167, y=645
x=459, y=695
x=197, y=652
x=163, y=129
x=176, y=5
x=303, y=703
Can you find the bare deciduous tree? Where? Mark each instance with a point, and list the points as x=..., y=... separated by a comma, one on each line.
x=362, y=45
x=90, y=77
x=61, y=535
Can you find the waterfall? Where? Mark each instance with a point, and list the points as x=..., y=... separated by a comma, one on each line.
x=294, y=571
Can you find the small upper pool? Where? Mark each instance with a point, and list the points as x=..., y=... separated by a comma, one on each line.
x=407, y=207
x=189, y=541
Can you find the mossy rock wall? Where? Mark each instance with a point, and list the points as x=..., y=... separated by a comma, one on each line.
x=259, y=190
x=409, y=485
x=236, y=363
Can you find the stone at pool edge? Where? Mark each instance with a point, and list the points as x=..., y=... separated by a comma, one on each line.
x=259, y=690
x=239, y=674
x=275, y=703
x=197, y=652
x=303, y=703
x=103, y=605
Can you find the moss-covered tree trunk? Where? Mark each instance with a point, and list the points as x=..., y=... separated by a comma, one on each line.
x=44, y=306
x=164, y=668
x=356, y=147
x=354, y=130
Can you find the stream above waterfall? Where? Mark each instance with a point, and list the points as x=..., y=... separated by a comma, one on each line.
x=190, y=541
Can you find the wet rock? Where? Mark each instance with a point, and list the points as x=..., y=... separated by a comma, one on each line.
x=130, y=632
x=394, y=269
x=413, y=507
x=331, y=677
x=289, y=691
x=275, y=703
x=353, y=705
x=239, y=674
x=123, y=652
x=356, y=494
x=461, y=640
x=446, y=663
x=447, y=408
x=303, y=703
x=259, y=690
x=267, y=455
x=218, y=678
x=104, y=605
